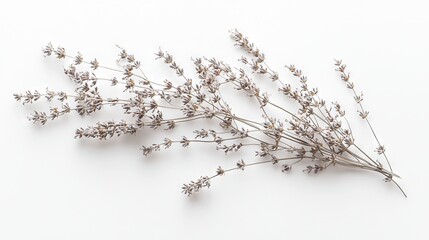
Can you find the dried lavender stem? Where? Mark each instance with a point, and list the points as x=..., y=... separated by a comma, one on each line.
x=315, y=132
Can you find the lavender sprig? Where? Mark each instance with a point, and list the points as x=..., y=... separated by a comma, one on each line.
x=318, y=135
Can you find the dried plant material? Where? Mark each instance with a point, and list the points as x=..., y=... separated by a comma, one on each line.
x=318, y=135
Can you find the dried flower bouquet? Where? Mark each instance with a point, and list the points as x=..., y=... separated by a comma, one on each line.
x=317, y=135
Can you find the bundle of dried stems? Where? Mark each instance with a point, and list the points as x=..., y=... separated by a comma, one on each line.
x=318, y=134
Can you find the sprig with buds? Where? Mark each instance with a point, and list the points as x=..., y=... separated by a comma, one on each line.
x=317, y=136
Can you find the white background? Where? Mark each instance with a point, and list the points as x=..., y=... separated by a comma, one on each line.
x=55, y=187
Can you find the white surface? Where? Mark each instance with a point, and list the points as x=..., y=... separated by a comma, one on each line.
x=55, y=187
